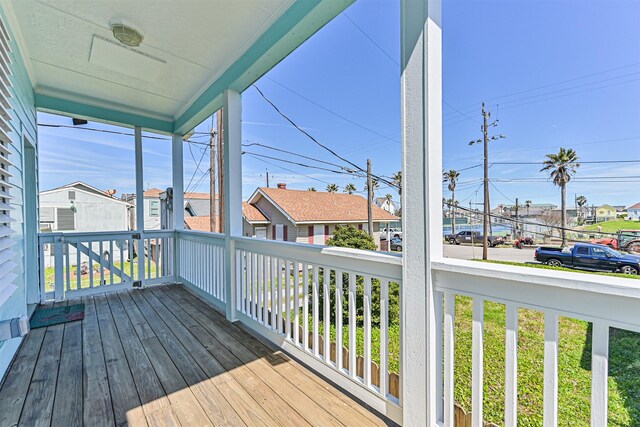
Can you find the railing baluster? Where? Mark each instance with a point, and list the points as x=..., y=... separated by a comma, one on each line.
x=260, y=292
x=296, y=303
x=78, y=269
x=287, y=296
x=247, y=284
x=477, y=361
x=326, y=316
x=280, y=297
x=339, y=296
x=367, y=331
x=100, y=259
x=265, y=291
x=550, y=401
x=599, y=374
x=274, y=293
x=384, y=337
x=438, y=299
x=67, y=255
x=90, y=246
x=449, y=346
x=316, y=337
x=511, y=367
x=353, y=371
x=111, y=261
x=305, y=306
x=131, y=260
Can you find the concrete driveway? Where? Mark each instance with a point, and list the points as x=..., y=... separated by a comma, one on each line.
x=499, y=254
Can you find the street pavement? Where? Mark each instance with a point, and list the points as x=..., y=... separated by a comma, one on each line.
x=499, y=254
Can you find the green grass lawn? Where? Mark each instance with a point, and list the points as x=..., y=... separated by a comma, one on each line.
x=85, y=281
x=574, y=389
x=613, y=226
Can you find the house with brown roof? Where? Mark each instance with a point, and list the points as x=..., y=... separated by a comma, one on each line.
x=633, y=212
x=307, y=216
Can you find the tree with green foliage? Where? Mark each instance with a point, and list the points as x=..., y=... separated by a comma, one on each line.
x=332, y=188
x=311, y=189
x=581, y=201
x=350, y=188
x=561, y=167
x=452, y=178
x=351, y=237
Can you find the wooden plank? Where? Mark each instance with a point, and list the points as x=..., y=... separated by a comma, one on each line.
x=171, y=377
x=218, y=359
x=38, y=404
x=306, y=381
x=231, y=352
x=97, y=409
x=127, y=408
x=16, y=383
x=68, y=403
x=218, y=393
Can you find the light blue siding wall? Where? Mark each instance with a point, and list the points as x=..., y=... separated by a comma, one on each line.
x=23, y=124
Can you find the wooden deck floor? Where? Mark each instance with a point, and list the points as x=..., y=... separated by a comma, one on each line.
x=161, y=356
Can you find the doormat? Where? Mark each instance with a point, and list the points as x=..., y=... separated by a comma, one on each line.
x=56, y=315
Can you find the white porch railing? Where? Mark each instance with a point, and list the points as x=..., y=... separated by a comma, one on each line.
x=76, y=264
x=611, y=302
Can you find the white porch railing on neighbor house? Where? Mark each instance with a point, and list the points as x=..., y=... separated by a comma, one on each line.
x=76, y=264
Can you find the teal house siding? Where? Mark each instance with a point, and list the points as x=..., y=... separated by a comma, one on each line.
x=23, y=126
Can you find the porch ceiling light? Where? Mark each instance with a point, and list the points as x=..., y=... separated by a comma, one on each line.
x=126, y=35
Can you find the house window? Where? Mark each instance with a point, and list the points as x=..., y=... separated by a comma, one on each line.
x=261, y=232
x=72, y=195
x=154, y=208
x=65, y=219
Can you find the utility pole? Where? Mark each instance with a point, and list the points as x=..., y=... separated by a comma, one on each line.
x=212, y=179
x=487, y=208
x=220, y=213
x=267, y=178
x=369, y=199
x=515, y=235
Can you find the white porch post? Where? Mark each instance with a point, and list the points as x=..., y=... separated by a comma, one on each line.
x=139, y=203
x=232, y=152
x=422, y=214
x=178, y=197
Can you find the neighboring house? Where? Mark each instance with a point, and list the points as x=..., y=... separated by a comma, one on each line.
x=620, y=210
x=307, y=216
x=80, y=207
x=195, y=205
x=633, y=212
x=386, y=204
x=605, y=213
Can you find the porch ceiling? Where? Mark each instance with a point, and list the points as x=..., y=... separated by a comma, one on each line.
x=192, y=50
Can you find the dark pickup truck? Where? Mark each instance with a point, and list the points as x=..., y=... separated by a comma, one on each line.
x=472, y=237
x=587, y=256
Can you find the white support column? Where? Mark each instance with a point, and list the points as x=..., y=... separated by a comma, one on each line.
x=177, y=165
x=232, y=123
x=139, y=202
x=422, y=213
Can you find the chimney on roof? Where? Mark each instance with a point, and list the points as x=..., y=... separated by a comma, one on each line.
x=282, y=186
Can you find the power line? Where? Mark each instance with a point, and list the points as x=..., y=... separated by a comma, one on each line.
x=297, y=163
x=289, y=170
x=333, y=112
x=391, y=58
x=292, y=153
x=503, y=195
x=582, y=163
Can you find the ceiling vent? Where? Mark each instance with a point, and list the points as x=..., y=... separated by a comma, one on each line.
x=126, y=35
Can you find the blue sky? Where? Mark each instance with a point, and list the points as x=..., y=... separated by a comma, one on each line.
x=557, y=73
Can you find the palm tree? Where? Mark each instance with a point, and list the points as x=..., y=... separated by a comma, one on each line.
x=374, y=184
x=388, y=198
x=311, y=189
x=452, y=178
x=332, y=188
x=561, y=168
x=350, y=188
x=527, y=205
x=396, y=179
x=581, y=201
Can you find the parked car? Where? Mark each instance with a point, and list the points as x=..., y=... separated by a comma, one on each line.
x=396, y=244
x=587, y=256
x=395, y=233
x=472, y=237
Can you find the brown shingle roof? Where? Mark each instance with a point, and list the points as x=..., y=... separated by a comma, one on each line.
x=153, y=192
x=253, y=214
x=316, y=206
x=199, y=223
